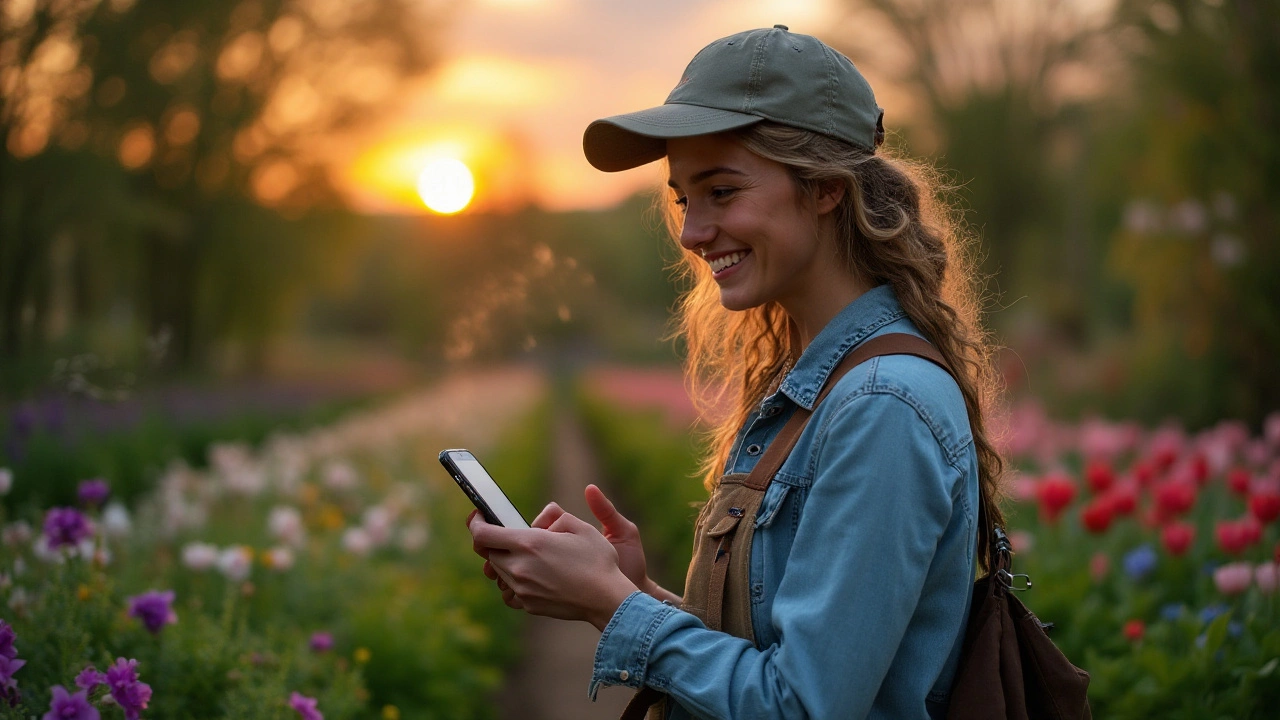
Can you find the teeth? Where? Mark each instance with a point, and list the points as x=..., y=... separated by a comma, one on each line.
x=726, y=261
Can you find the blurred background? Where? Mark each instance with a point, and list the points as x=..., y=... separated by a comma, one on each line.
x=236, y=192
x=318, y=229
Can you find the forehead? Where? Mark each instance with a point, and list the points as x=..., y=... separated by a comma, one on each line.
x=690, y=159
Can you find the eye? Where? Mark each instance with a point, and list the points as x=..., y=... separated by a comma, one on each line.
x=722, y=193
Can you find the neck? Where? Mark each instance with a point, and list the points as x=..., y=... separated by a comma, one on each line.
x=819, y=303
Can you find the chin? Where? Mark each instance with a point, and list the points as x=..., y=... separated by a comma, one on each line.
x=737, y=301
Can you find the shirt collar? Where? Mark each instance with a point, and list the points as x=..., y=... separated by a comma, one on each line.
x=856, y=322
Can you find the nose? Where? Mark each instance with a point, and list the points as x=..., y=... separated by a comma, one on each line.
x=697, y=230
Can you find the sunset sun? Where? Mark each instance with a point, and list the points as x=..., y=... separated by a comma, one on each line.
x=446, y=185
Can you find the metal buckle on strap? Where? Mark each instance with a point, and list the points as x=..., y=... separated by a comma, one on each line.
x=1002, y=565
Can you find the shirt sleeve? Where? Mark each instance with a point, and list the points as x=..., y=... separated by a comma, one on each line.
x=880, y=501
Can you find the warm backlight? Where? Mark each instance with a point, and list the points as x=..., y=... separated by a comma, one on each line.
x=446, y=185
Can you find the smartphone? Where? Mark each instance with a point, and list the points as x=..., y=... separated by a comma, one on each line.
x=485, y=494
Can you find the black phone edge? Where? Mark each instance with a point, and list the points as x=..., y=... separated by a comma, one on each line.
x=466, y=486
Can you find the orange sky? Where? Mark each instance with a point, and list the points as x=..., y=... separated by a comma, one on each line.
x=520, y=81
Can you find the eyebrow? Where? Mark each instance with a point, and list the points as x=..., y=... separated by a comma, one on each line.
x=703, y=175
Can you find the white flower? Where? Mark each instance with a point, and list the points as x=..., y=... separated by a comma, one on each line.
x=235, y=562
x=6, y=480
x=44, y=552
x=280, y=558
x=340, y=475
x=1189, y=217
x=199, y=556
x=356, y=540
x=115, y=520
x=16, y=533
x=377, y=523
x=245, y=480
x=285, y=524
x=18, y=599
x=413, y=537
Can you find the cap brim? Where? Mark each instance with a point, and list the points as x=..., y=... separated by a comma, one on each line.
x=622, y=142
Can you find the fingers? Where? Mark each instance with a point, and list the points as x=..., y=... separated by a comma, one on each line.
x=494, y=537
x=600, y=505
x=549, y=515
x=613, y=522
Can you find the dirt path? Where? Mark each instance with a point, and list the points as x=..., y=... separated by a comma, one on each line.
x=550, y=682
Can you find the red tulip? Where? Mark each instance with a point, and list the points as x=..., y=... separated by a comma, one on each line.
x=1239, y=479
x=1199, y=468
x=1124, y=498
x=1250, y=529
x=1134, y=630
x=1265, y=505
x=1232, y=537
x=1177, y=537
x=1175, y=498
x=1099, y=475
x=1097, y=515
x=1055, y=493
x=1143, y=473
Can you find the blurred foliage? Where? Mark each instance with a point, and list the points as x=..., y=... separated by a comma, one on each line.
x=652, y=472
x=1119, y=163
x=137, y=136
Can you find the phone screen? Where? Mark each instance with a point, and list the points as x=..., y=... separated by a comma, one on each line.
x=487, y=489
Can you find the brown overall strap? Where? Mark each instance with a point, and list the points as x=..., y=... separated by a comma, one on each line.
x=776, y=454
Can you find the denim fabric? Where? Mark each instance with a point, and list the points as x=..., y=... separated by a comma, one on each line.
x=863, y=555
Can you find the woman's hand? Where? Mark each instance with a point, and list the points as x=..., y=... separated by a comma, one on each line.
x=567, y=570
x=623, y=535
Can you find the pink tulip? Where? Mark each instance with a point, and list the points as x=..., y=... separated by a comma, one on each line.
x=1233, y=578
x=1267, y=575
x=1099, y=566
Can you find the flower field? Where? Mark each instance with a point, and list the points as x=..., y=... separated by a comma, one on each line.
x=1153, y=551
x=323, y=574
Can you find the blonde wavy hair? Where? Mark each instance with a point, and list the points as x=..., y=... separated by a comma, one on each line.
x=893, y=229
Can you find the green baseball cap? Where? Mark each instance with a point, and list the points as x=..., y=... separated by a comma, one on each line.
x=767, y=74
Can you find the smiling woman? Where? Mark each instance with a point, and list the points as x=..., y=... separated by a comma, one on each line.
x=446, y=185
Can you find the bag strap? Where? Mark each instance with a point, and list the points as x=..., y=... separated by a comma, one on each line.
x=771, y=462
x=889, y=344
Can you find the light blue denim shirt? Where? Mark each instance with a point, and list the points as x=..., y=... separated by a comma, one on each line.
x=863, y=557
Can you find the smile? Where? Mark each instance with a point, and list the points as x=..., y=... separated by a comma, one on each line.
x=725, y=262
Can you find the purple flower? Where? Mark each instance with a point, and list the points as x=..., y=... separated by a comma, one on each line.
x=305, y=706
x=7, y=636
x=132, y=696
x=9, y=664
x=70, y=707
x=321, y=642
x=92, y=493
x=154, y=609
x=8, y=686
x=90, y=678
x=66, y=527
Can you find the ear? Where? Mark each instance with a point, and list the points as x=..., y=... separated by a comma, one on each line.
x=829, y=196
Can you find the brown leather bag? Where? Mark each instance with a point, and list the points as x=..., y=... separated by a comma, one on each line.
x=1009, y=668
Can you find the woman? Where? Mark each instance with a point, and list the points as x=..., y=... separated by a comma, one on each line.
x=845, y=591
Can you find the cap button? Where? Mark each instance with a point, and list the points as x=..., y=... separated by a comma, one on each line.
x=781, y=27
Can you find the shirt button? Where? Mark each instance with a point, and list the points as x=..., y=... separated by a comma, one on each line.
x=624, y=675
x=772, y=410
x=753, y=449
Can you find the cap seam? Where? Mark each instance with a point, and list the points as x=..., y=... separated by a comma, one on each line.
x=833, y=83
x=753, y=81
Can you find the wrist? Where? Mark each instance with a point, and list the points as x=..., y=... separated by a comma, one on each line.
x=615, y=593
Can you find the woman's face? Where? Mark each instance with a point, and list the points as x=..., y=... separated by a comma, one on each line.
x=742, y=214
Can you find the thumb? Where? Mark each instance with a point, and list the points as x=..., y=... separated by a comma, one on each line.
x=603, y=509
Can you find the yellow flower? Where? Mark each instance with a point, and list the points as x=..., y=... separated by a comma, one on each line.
x=362, y=655
x=83, y=593
x=308, y=494
x=390, y=712
x=331, y=517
